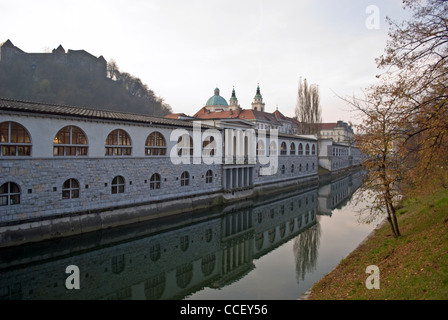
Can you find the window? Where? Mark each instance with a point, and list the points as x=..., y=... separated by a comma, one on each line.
x=283, y=150
x=209, y=146
x=118, y=185
x=208, y=264
x=154, y=252
x=185, y=179
x=70, y=189
x=208, y=235
x=184, y=274
x=300, y=149
x=118, y=143
x=70, y=141
x=283, y=169
x=273, y=149
x=155, y=181
x=9, y=194
x=292, y=149
x=185, y=145
x=184, y=243
x=307, y=149
x=155, y=145
x=292, y=168
x=209, y=176
x=313, y=150
x=14, y=140
x=260, y=148
x=118, y=263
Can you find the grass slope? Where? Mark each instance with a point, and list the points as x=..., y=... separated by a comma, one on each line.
x=414, y=267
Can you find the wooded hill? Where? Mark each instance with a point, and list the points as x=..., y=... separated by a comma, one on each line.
x=60, y=83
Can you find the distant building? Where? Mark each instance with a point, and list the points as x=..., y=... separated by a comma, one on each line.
x=340, y=132
x=79, y=59
x=217, y=107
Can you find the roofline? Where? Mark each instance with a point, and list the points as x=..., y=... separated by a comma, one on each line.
x=85, y=112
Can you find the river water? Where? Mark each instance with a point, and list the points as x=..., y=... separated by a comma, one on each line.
x=274, y=248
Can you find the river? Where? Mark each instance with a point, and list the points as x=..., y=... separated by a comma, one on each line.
x=273, y=248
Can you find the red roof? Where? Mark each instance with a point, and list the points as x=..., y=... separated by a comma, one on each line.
x=175, y=115
x=327, y=126
x=204, y=113
x=244, y=114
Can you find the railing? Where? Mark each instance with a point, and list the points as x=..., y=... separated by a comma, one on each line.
x=239, y=160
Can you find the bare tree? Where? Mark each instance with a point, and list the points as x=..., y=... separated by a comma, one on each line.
x=112, y=70
x=308, y=110
x=379, y=141
x=404, y=128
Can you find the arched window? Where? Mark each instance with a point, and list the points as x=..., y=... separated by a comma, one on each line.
x=261, y=151
x=70, y=141
x=14, y=140
x=313, y=150
x=208, y=264
x=208, y=235
x=184, y=243
x=155, y=145
x=185, y=179
x=117, y=185
x=185, y=145
x=273, y=148
x=271, y=235
x=283, y=169
x=283, y=149
x=300, y=149
x=154, y=252
x=292, y=168
x=209, y=176
x=9, y=194
x=70, y=189
x=292, y=149
x=118, y=263
x=155, y=181
x=184, y=274
x=307, y=149
x=209, y=146
x=118, y=143
x=259, y=239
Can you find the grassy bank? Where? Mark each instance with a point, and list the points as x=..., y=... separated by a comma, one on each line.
x=414, y=267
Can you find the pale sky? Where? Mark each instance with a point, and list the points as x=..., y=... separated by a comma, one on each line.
x=183, y=49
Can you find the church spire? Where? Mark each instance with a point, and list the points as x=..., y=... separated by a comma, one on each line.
x=258, y=103
x=234, y=101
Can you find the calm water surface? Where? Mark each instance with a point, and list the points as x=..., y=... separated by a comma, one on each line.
x=275, y=248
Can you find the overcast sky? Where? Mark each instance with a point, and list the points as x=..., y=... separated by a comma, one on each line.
x=183, y=49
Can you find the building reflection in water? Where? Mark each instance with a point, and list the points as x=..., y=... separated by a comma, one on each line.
x=173, y=258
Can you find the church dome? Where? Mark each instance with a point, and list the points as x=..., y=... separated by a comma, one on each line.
x=216, y=100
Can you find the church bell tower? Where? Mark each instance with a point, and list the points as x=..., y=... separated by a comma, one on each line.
x=258, y=103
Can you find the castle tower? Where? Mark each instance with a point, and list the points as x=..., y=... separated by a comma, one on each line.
x=258, y=103
x=233, y=101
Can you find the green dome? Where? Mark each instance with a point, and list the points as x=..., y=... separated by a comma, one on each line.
x=216, y=100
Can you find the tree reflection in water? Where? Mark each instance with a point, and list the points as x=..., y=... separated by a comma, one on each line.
x=306, y=251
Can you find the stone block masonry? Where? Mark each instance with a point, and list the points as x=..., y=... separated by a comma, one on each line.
x=44, y=182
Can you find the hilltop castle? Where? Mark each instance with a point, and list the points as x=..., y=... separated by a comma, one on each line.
x=78, y=59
